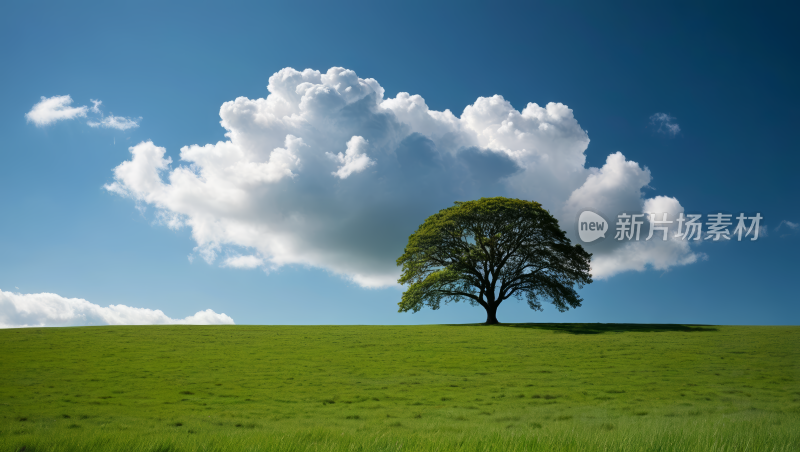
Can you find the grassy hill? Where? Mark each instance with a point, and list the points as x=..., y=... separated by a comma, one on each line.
x=548, y=387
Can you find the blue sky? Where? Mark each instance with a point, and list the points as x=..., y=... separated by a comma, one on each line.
x=725, y=75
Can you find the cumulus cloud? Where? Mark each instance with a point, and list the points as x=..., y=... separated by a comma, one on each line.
x=52, y=109
x=354, y=160
x=614, y=189
x=48, y=309
x=665, y=124
x=328, y=173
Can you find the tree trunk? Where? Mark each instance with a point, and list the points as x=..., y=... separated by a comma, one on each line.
x=491, y=314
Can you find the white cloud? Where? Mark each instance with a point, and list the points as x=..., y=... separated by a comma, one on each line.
x=47, y=309
x=243, y=262
x=96, y=106
x=354, y=160
x=792, y=226
x=666, y=124
x=141, y=174
x=52, y=109
x=114, y=122
x=614, y=189
x=657, y=253
x=57, y=108
x=281, y=186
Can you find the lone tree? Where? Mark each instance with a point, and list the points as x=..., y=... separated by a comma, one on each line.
x=489, y=250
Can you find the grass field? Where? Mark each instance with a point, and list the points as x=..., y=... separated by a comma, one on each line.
x=548, y=387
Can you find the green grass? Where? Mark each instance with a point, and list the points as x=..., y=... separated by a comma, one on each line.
x=531, y=387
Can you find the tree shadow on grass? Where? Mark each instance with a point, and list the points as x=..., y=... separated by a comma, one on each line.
x=600, y=328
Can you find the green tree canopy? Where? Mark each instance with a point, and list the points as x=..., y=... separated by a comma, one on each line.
x=490, y=250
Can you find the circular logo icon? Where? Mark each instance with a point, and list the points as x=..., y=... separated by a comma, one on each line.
x=591, y=226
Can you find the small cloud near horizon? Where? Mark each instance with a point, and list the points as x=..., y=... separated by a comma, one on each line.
x=47, y=309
